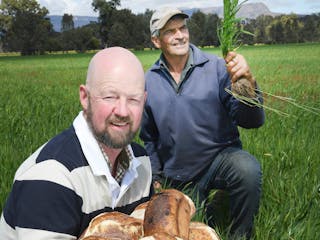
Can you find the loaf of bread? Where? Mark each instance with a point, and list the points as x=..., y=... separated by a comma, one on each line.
x=169, y=211
x=112, y=226
x=199, y=230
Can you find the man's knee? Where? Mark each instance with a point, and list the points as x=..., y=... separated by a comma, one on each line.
x=246, y=168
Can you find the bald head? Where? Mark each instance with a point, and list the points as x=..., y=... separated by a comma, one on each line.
x=113, y=64
x=113, y=97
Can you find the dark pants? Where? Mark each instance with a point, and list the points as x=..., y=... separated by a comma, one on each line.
x=239, y=174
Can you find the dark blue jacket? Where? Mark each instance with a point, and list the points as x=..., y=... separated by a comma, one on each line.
x=184, y=130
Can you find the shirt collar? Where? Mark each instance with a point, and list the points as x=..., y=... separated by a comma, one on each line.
x=187, y=69
x=91, y=149
x=97, y=163
x=123, y=161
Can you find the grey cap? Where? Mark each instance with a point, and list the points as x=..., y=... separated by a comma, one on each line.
x=161, y=16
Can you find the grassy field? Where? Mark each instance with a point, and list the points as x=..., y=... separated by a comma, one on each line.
x=39, y=98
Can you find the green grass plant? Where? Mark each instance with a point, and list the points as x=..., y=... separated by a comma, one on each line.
x=39, y=98
x=230, y=29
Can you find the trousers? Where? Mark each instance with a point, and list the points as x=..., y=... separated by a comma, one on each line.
x=239, y=174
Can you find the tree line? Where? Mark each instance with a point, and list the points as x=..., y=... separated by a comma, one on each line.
x=26, y=28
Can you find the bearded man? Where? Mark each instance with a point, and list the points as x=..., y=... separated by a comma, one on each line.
x=90, y=168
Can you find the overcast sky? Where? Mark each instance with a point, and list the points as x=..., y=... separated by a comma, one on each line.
x=84, y=8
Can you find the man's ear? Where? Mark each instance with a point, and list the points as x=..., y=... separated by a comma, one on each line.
x=84, y=98
x=156, y=41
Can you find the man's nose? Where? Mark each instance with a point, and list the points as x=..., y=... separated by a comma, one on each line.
x=121, y=107
x=178, y=34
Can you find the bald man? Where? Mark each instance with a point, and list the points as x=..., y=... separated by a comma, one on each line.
x=90, y=168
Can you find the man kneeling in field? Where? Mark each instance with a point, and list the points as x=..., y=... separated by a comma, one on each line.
x=190, y=123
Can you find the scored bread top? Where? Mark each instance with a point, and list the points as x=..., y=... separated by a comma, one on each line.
x=114, y=224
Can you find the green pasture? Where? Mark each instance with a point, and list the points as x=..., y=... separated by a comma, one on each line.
x=39, y=98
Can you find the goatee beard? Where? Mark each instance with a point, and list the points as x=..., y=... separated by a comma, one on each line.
x=117, y=140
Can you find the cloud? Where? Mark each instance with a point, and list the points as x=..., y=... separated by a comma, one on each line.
x=74, y=7
x=54, y=7
x=135, y=5
x=84, y=7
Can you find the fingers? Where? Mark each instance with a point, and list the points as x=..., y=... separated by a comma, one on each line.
x=230, y=56
x=157, y=186
x=237, y=67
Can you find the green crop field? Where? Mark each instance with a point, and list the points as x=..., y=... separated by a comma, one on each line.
x=39, y=98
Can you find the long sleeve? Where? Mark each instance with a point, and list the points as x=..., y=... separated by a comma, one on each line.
x=249, y=116
x=245, y=115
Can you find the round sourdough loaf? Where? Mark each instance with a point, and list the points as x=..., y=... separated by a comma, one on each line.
x=113, y=225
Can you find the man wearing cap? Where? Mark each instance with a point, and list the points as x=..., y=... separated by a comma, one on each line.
x=190, y=122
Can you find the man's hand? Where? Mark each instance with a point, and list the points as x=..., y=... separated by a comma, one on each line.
x=242, y=81
x=238, y=67
x=157, y=186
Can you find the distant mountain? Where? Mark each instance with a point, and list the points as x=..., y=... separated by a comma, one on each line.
x=249, y=10
x=79, y=21
x=254, y=10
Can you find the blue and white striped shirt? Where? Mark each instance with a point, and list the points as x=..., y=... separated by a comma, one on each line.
x=66, y=182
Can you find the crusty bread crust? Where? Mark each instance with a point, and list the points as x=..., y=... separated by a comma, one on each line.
x=102, y=238
x=114, y=225
x=139, y=211
x=199, y=230
x=170, y=212
x=161, y=236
